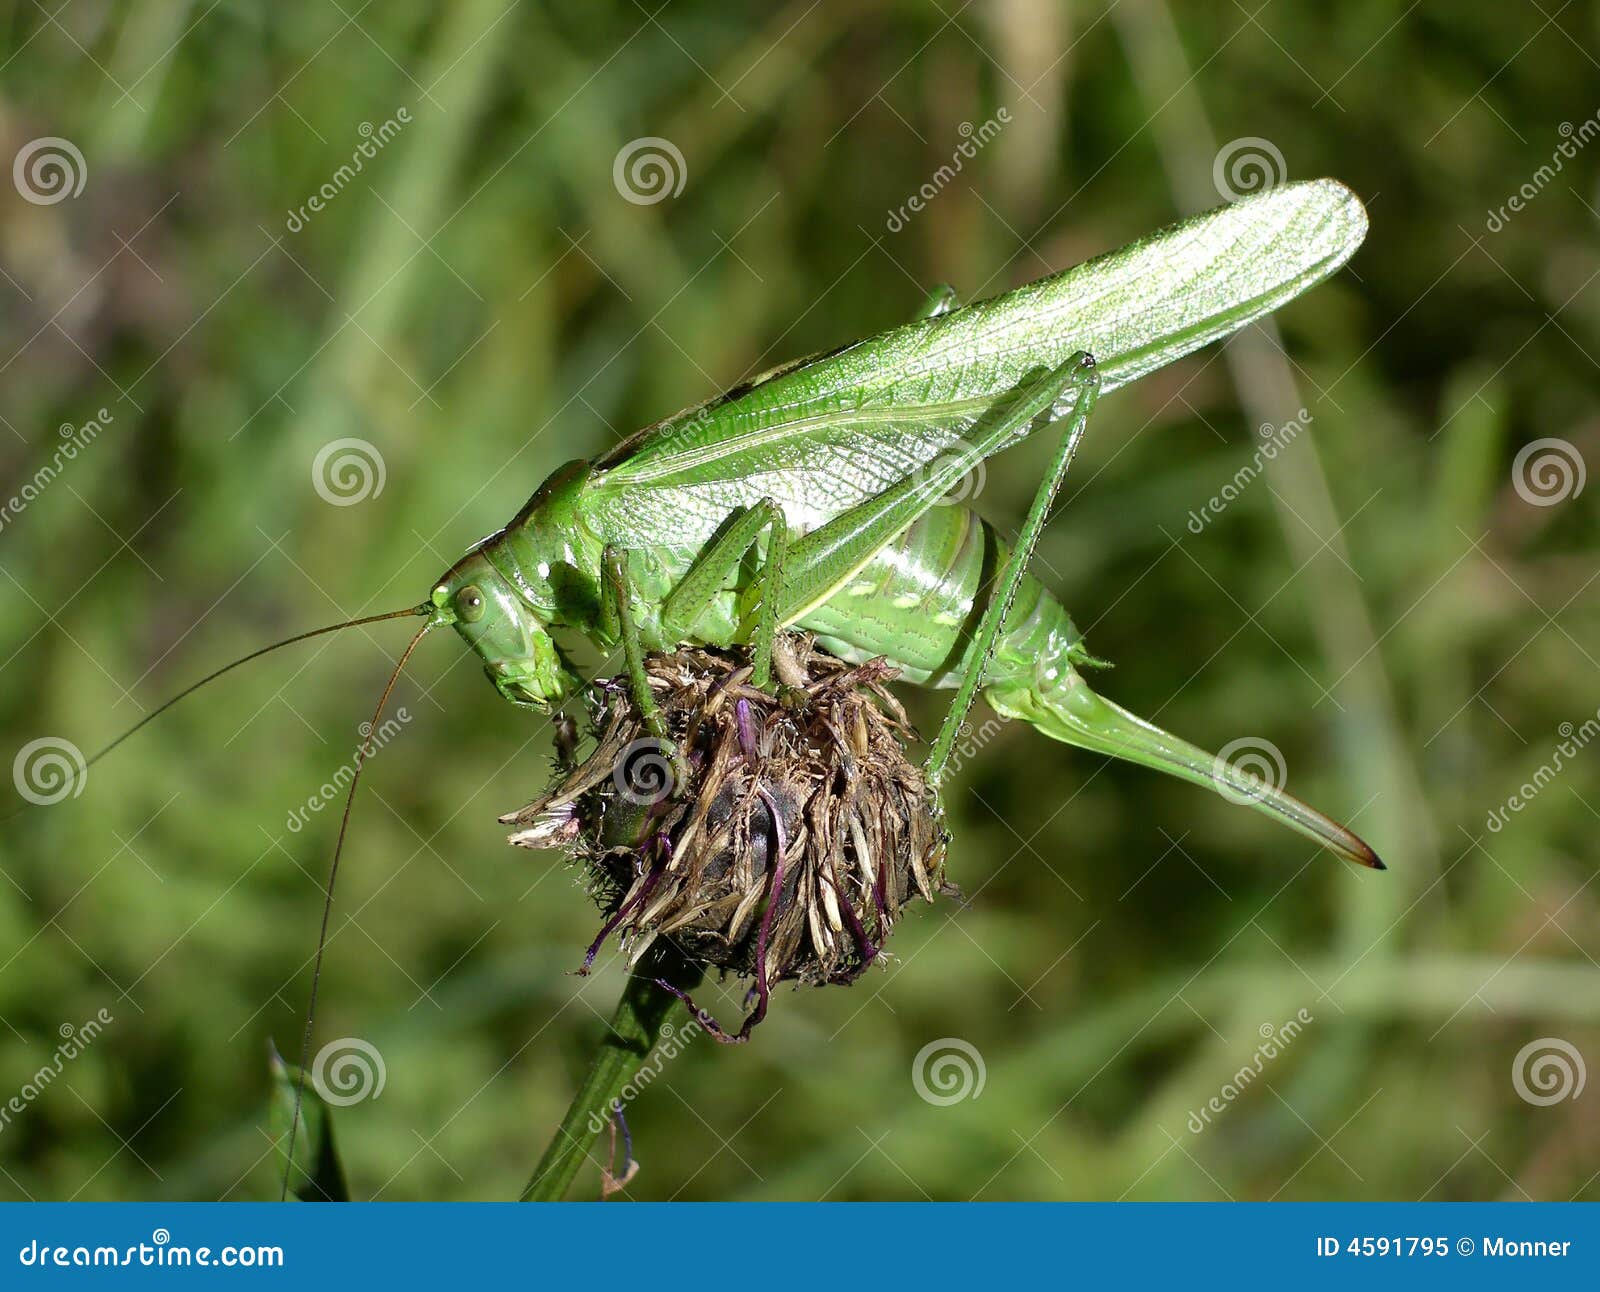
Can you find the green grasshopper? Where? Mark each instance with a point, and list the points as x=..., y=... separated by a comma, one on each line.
x=807, y=498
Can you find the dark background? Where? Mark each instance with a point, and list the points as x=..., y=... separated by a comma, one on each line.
x=1383, y=604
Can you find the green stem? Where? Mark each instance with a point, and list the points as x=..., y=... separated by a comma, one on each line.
x=635, y=1028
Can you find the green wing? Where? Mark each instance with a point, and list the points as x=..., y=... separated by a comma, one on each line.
x=825, y=434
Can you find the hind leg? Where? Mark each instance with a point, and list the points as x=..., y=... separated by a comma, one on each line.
x=1086, y=379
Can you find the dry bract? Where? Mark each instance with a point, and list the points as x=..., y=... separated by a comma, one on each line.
x=799, y=833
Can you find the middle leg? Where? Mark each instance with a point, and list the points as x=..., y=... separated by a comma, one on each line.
x=710, y=572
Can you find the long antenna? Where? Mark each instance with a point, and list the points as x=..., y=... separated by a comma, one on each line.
x=245, y=659
x=189, y=690
x=359, y=762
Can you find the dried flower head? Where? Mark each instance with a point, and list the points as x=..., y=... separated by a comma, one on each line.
x=784, y=841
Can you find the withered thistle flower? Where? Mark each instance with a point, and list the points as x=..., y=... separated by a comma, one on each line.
x=799, y=832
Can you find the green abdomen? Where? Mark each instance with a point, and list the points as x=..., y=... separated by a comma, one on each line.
x=919, y=600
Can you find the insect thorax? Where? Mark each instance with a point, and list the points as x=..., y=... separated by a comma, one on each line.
x=549, y=555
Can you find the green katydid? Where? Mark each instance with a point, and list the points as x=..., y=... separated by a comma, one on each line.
x=827, y=471
x=807, y=499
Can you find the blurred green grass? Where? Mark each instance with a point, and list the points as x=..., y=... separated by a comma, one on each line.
x=482, y=304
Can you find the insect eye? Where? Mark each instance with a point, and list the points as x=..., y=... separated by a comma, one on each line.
x=470, y=604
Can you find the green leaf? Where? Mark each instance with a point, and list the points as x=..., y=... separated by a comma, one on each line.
x=318, y=1175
